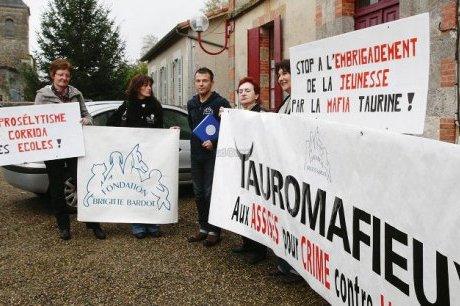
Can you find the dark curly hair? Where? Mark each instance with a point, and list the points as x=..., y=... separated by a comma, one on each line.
x=284, y=65
x=135, y=85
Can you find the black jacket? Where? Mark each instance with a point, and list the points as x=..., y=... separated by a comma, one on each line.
x=196, y=113
x=257, y=108
x=141, y=113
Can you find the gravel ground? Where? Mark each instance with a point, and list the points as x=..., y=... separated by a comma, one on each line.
x=37, y=268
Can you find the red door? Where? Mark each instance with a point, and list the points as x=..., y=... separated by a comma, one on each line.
x=368, y=15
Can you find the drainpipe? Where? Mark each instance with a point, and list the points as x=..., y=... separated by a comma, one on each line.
x=191, y=63
x=196, y=39
x=457, y=120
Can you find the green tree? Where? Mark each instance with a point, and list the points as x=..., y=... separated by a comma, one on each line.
x=31, y=81
x=133, y=70
x=82, y=32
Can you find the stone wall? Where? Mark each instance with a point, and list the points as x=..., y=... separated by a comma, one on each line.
x=13, y=48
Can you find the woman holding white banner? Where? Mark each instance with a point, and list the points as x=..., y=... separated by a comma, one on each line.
x=283, y=72
x=248, y=95
x=61, y=92
x=141, y=109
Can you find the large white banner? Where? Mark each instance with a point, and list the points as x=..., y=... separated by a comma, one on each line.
x=40, y=132
x=129, y=175
x=375, y=77
x=367, y=217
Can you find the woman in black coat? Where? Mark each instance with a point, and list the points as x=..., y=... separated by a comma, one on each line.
x=248, y=95
x=141, y=110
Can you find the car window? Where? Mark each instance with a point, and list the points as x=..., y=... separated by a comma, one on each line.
x=175, y=118
x=101, y=119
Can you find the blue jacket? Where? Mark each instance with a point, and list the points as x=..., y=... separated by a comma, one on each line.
x=196, y=113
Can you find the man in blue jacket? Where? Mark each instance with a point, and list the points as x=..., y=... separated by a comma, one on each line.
x=203, y=154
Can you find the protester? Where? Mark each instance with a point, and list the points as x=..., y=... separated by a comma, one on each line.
x=203, y=154
x=248, y=95
x=61, y=92
x=141, y=110
x=283, y=71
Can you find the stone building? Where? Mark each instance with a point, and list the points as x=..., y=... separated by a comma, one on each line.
x=260, y=33
x=14, y=47
x=172, y=62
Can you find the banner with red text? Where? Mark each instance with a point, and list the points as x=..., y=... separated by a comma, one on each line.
x=375, y=77
x=129, y=175
x=367, y=217
x=40, y=132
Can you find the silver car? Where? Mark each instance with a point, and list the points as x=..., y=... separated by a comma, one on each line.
x=33, y=177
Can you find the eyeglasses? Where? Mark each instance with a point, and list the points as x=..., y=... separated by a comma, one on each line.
x=246, y=90
x=62, y=74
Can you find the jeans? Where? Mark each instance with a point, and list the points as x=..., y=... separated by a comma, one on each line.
x=138, y=228
x=202, y=175
x=285, y=267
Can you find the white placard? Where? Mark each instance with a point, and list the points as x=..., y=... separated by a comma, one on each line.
x=365, y=216
x=375, y=77
x=129, y=175
x=40, y=132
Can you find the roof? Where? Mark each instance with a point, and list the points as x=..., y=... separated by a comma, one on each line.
x=175, y=34
x=13, y=3
x=245, y=8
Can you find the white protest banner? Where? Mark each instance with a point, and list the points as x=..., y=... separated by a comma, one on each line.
x=40, y=132
x=367, y=217
x=129, y=175
x=375, y=77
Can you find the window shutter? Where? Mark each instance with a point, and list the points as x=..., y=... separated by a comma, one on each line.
x=179, y=80
x=254, y=54
x=277, y=56
x=172, y=84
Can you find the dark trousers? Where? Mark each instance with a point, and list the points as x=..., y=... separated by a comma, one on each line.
x=202, y=174
x=254, y=247
x=57, y=175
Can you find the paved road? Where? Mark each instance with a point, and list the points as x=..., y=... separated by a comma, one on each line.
x=36, y=267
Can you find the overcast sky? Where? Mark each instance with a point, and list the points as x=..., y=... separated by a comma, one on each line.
x=136, y=19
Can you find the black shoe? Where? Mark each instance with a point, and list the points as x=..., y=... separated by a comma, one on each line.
x=197, y=237
x=291, y=279
x=64, y=234
x=140, y=235
x=212, y=240
x=277, y=273
x=256, y=258
x=156, y=234
x=240, y=250
x=99, y=233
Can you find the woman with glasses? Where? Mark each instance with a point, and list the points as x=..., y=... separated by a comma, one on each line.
x=248, y=96
x=61, y=92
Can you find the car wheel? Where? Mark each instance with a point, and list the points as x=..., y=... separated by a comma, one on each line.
x=70, y=193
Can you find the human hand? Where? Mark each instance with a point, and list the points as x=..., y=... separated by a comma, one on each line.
x=221, y=110
x=207, y=145
x=85, y=121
